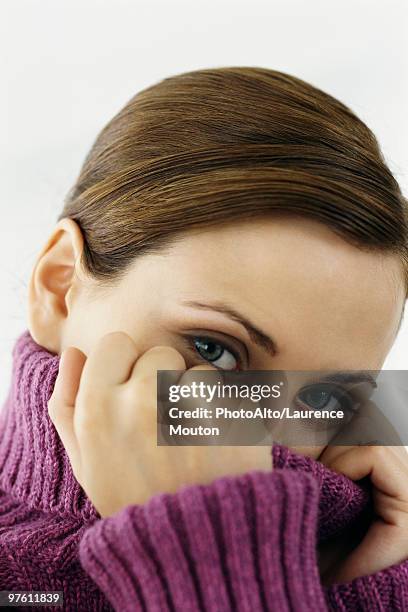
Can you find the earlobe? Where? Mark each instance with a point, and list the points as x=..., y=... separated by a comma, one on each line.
x=52, y=283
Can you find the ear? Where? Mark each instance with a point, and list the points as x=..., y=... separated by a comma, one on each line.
x=53, y=282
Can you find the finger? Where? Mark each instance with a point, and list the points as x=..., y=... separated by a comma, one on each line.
x=198, y=374
x=143, y=407
x=157, y=358
x=359, y=431
x=142, y=383
x=111, y=361
x=368, y=426
x=196, y=397
x=61, y=405
x=331, y=453
x=386, y=470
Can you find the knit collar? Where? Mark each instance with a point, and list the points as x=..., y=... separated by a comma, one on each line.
x=35, y=468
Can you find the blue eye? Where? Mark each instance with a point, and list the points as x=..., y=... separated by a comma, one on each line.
x=325, y=397
x=215, y=353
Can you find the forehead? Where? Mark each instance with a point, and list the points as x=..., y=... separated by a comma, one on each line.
x=299, y=282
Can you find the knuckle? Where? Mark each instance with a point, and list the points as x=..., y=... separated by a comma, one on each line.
x=168, y=356
x=139, y=398
x=113, y=339
x=130, y=394
x=144, y=385
x=377, y=453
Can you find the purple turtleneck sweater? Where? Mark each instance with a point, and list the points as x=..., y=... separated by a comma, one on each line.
x=243, y=543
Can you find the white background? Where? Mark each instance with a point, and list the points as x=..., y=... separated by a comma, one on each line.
x=68, y=66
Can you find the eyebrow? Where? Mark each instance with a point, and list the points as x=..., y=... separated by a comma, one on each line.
x=348, y=377
x=256, y=335
x=268, y=344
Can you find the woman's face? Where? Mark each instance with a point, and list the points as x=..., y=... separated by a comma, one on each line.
x=270, y=293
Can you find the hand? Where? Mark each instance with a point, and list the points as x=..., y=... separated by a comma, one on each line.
x=386, y=541
x=104, y=409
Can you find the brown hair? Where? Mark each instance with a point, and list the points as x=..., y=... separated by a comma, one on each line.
x=222, y=144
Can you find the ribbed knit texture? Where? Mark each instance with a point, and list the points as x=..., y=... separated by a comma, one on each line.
x=244, y=543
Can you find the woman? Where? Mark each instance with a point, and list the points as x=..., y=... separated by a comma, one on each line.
x=229, y=218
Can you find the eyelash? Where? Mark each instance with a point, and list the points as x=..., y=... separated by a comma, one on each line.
x=190, y=339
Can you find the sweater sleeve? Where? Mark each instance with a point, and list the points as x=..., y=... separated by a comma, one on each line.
x=384, y=591
x=243, y=543
x=341, y=501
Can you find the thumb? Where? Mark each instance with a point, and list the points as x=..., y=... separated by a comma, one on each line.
x=61, y=405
